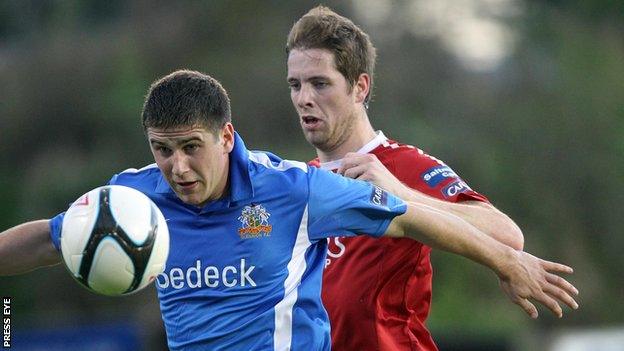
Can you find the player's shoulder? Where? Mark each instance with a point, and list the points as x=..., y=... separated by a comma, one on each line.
x=411, y=164
x=400, y=153
x=267, y=161
x=145, y=177
x=271, y=175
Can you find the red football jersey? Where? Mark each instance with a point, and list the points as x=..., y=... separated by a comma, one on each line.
x=378, y=291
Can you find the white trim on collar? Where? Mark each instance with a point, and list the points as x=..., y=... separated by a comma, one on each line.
x=379, y=139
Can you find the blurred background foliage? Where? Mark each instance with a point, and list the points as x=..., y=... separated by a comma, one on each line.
x=524, y=99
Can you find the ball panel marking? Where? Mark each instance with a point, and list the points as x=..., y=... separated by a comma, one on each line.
x=132, y=211
x=105, y=278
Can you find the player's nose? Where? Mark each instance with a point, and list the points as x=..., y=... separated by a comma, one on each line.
x=180, y=164
x=304, y=98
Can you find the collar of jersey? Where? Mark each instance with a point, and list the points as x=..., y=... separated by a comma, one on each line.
x=239, y=178
x=379, y=139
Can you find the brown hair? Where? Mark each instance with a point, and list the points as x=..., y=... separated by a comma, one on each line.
x=322, y=28
x=186, y=98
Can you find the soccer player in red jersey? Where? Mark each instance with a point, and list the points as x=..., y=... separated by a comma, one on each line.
x=377, y=292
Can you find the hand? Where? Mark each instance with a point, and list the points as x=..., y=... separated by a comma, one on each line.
x=533, y=278
x=367, y=167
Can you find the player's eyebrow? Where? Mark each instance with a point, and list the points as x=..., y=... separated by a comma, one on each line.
x=181, y=141
x=318, y=78
x=308, y=79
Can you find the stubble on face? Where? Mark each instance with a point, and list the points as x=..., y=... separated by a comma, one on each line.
x=331, y=102
x=335, y=133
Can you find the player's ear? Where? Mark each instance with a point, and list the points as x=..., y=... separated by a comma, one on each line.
x=362, y=87
x=227, y=137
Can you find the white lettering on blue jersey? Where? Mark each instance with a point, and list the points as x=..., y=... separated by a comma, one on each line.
x=211, y=276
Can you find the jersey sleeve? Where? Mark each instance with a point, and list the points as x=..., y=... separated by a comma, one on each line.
x=339, y=206
x=56, y=223
x=433, y=177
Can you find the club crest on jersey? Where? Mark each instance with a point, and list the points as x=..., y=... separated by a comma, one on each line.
x=433, y=176
x=255, y=222
x=455, y=188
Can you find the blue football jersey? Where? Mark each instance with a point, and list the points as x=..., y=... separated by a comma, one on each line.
x=244, y=272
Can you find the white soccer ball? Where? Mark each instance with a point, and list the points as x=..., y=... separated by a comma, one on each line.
x=114, y=240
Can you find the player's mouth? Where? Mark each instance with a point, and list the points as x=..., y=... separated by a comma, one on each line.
x=310, y=122
x=186, y=186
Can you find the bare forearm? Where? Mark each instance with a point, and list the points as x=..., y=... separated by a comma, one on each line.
x=445, y=231
x=26, y=247
x=484, y=217
x=523, y=277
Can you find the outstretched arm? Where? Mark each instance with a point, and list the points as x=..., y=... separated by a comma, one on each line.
x=523, y=277
x=26, y=247
x=483, y=216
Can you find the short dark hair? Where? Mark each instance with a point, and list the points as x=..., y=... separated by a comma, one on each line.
x=322, y=28
x=186, y=98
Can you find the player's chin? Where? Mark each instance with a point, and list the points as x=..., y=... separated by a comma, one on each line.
x=191, y=199
x=316, y=138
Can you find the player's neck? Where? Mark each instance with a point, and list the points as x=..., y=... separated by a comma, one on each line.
x=360, y=136
x=222, y=186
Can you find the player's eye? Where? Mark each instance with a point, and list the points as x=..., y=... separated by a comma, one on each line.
x=191, y=148
x=320, y=84
x=164, y=151
x=294, y=85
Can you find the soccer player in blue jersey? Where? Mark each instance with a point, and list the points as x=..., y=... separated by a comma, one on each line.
x=247, y=230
